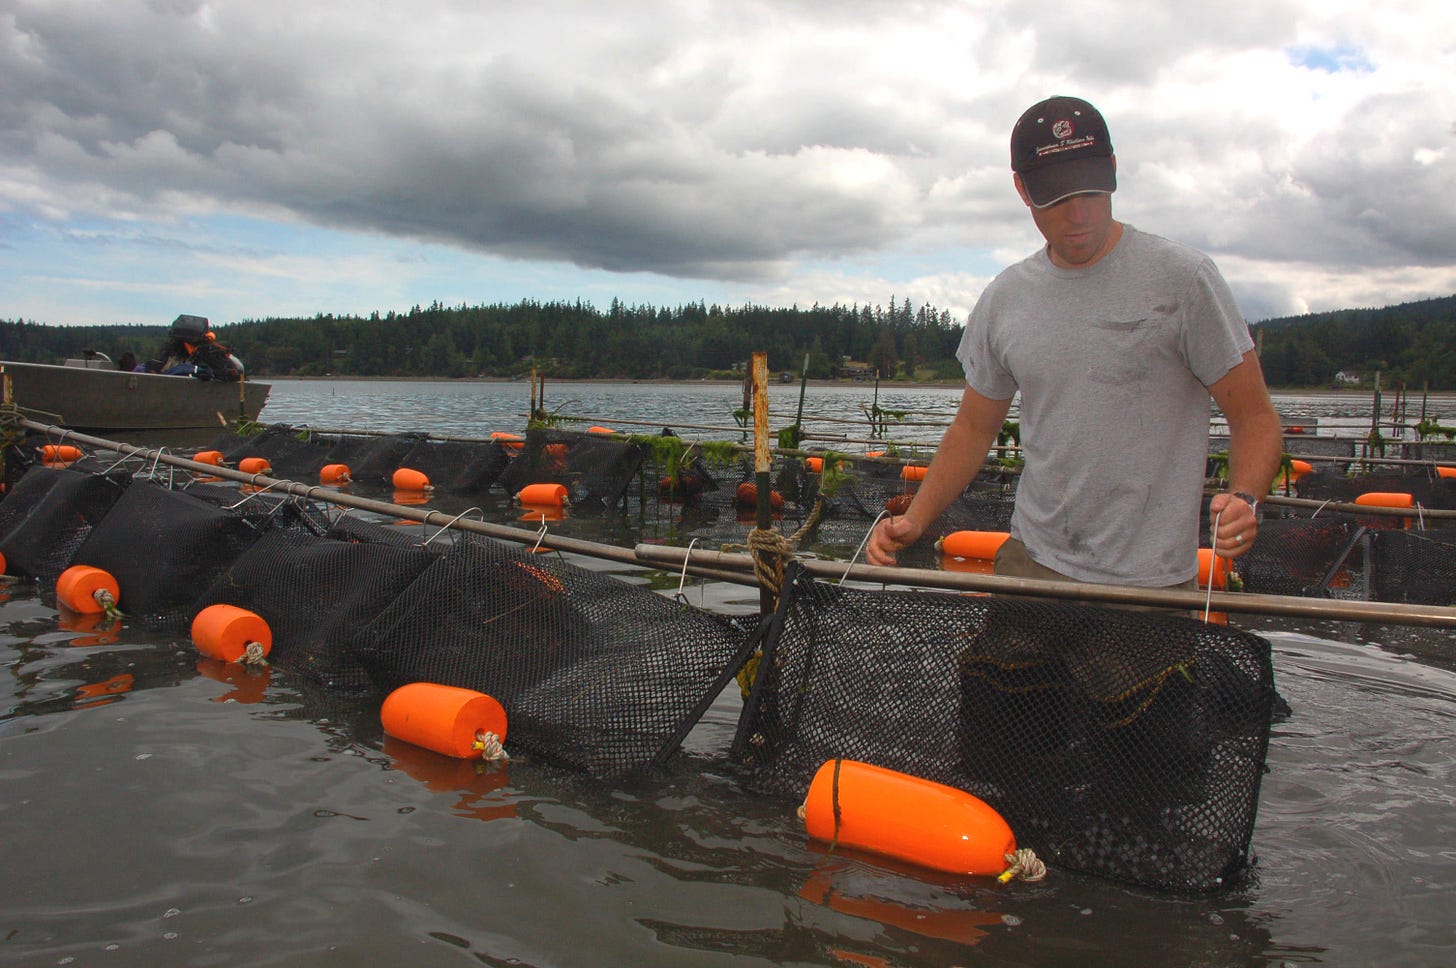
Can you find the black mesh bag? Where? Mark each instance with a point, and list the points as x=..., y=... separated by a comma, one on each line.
x=166, y=547
x=456, y=466
x=315, y=591
x=1414, y=567
x=593, y=672
x=596, y=468
x=1120, y=743
x=47, y=515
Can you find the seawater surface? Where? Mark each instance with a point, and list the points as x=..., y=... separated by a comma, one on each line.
x=159, y=810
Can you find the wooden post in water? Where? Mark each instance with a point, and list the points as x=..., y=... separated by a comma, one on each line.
x=762, y=460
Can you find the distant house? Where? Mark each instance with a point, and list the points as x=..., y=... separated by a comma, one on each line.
x=1347, y=376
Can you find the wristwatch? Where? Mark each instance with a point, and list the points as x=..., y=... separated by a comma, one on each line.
x=1250, y=500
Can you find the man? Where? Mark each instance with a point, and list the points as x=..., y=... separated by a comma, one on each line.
x=1115, y=339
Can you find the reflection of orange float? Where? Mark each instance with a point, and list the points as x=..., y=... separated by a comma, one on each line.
x=543, y=495
x=542, y=512
x=936, y=826
x=962, y=926
x=87, y=590
x=231, y=634
x=95, y=628
x=250, y=685
x=980, y=545
x=482, y=786
x=446, y=719
x=334, y=474
x=105, y=691
x=968, y=566
x=410, y=498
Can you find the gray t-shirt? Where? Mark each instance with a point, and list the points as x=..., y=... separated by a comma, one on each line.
x=1113, y=363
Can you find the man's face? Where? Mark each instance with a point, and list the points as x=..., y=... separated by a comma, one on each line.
x=1079, y=229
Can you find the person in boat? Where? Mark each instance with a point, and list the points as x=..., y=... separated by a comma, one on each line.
x=193, y=350
x=1115, y=339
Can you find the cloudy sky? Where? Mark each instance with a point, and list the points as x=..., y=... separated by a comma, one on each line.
x=255, y=158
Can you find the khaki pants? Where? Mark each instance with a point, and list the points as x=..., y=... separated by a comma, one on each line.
x=1013, y=561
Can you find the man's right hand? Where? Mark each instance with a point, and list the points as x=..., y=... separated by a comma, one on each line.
x=889, y=536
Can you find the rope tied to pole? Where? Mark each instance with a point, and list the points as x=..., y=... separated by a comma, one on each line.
x=772, y=550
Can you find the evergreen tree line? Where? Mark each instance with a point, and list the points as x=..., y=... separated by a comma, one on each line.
x=1413, y=344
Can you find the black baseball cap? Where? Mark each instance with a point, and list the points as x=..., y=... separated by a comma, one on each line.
x=1061, y=147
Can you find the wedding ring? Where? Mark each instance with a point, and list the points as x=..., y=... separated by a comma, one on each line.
x=1238, y=539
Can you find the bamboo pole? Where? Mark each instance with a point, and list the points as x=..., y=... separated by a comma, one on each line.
x=762, y=462
x=1381, y=612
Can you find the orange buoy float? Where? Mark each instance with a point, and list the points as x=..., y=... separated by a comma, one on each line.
x=875, y=453
x=447, y=719
x=600, y=430
x=544, y=495
x=409, y=479
x=1213, y=565
x=926, y=823
x=747, y=497
x=1442, y=471
x=87, y=590
x=232, y=634
x=913, y=472
x=979, y=545
x=510, y=441
x=255, y=465
x=59, y=454
x=334, y=474
x=814, y=465
x=213, y=457
x=1386, y=499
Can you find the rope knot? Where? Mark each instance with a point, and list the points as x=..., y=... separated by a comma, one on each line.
x=489, y=745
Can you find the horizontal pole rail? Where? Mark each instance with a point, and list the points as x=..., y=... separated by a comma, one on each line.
x=1380, y=612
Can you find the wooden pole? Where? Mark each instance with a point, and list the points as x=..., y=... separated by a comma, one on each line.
x=762, y=460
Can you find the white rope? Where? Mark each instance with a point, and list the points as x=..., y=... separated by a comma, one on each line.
x=490, y=747
x=1212, y=567
x=882, y=515
x=682, y=579
x=1024, y=864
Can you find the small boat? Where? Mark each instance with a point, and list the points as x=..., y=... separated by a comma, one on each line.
x=83, y=395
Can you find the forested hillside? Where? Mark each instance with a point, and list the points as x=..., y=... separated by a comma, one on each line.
x=1412, y=344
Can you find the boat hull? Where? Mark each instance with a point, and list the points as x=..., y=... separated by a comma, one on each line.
x=104, y=399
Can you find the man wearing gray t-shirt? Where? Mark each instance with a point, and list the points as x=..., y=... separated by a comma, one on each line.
x=1115, y=339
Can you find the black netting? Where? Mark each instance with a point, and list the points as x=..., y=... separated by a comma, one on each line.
x=1119, y=743
x=458, y=466
x=1298, y=556
x=1418, y=567
x=166, y=547
x=315, y=592
x=48, y=514
x=1323, y=447
x=291, y=453
x=1426, y=489
x=592, y=672
x=1443, y=451
x=596, y=468
x=373, y=459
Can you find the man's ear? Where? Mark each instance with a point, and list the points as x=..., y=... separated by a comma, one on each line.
x=1021, y=189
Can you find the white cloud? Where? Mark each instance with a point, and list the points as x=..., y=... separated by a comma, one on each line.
x=734, y=147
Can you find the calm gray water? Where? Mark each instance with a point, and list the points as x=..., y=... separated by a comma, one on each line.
x=156, y=811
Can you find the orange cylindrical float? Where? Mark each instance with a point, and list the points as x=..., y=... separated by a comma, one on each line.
x=747, y=497
x=446, y=719
x=85, y=589
x=334, y=474
x=4, y=565
x=981, y=545
x=913, y=472
x=225, y=631
x=409, y=479
x=557, y=451
x=255, y=465
x=543, y=495
x=1386, y=499
x=509, y=441
x=937, y=826
x=213, y=457
x=59, y=454
x=600, y=430
x=875, y=453
x=1442, y=471
x=814, y=465
x=1217, y=566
